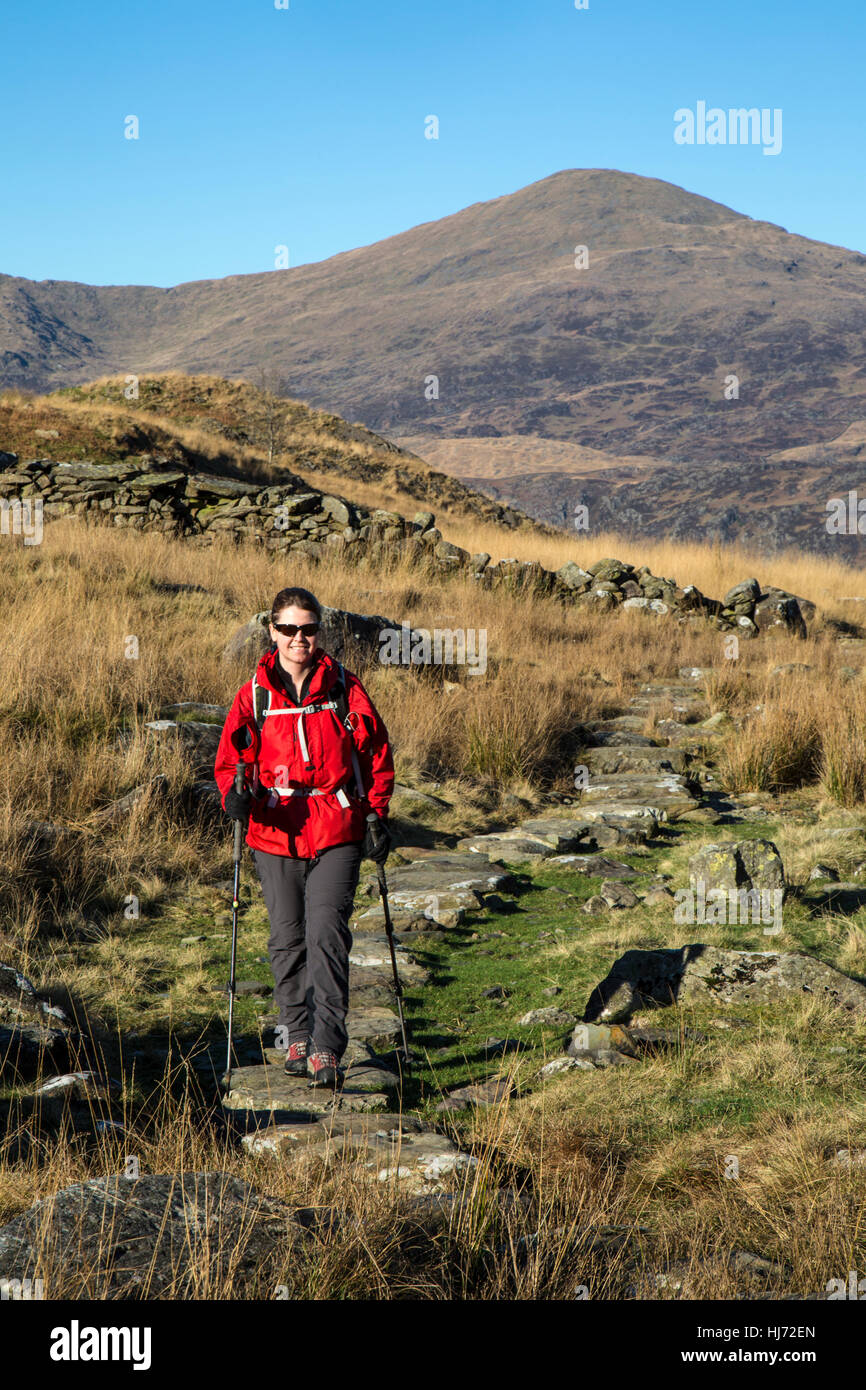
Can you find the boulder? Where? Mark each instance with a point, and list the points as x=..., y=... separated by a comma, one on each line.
x=199, y=739
x=343, y=513
x=342, y=634
x=571, y=576
x=250, y=642
x=481, y=1093
x=658, y=897
x=734, y=864
x=699, y=973
x=117, y=811
x=610, y=571
x=561, y=1064
x=449, y=554
x=784, y=613
x=743, y=597
x=162, y=1235
x=617, y=894
x=806, y=606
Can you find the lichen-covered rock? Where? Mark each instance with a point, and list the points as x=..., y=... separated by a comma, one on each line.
x=571, y=576
x=743, y=597
x=750, y=864
x=717, y=866
x=610, y=570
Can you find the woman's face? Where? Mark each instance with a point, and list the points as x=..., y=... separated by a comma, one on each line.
x=298, y=649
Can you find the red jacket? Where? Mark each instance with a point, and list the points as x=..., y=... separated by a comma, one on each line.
x=312, y=750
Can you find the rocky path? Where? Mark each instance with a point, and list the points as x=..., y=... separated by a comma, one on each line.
x=629, y=786
x=630, y=790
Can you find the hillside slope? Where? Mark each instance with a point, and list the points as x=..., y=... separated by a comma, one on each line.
x=212, y=425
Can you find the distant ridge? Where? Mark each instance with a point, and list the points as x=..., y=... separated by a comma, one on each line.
x=627, y=357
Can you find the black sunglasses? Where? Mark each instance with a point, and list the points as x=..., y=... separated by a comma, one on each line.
x=290, y=629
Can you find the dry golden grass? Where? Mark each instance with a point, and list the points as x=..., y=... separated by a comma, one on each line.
x=219, y=423
x=609, y=1153
x=610, y=1206
x=69, y=688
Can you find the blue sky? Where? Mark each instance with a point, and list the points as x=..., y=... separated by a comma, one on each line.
x=304, y=126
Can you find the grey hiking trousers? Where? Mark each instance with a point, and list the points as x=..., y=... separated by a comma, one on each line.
x=309, y=903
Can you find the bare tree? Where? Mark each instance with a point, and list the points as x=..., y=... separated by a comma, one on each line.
x=270, y=419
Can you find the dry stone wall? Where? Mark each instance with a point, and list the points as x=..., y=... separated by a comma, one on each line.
x=290, y=516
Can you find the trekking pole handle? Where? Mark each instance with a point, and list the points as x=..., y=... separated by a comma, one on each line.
x=240, y=778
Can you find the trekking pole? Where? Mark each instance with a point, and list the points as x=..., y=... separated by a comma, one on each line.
x=398, y=988
x=240, y=770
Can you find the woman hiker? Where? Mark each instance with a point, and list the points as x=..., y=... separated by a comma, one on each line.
x=308, y=822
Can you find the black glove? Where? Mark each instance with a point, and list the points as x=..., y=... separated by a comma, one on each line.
x=237, y=804
x=377, y=841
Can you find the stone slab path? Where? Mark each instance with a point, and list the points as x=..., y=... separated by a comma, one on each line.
x=634, y=784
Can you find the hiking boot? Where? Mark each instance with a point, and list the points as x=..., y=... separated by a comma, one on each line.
x=296, y=1058
x=322, y=1067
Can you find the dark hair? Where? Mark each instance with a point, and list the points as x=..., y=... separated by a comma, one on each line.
x=295, y=598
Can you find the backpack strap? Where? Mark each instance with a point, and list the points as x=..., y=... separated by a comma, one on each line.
x=261, y=702
x=341, y=695
x=342, y=701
